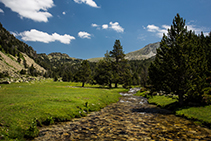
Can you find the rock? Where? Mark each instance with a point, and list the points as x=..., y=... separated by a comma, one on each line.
x=132, y=118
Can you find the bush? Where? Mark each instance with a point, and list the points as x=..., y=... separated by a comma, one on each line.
x=4, y=74
x=48, y=121
x=207, y=95
x=23, y=72
x=33, y=131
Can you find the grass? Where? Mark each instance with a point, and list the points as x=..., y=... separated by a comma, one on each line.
x=44, y=102
x=201, y=114
x=162, y=101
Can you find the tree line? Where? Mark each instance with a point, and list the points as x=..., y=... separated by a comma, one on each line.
x=112, y=69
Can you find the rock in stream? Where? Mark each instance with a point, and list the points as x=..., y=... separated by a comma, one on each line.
x=132, y=118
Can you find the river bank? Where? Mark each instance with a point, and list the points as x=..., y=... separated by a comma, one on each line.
x=131, y=118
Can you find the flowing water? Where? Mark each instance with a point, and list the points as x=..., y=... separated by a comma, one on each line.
x=132, y=118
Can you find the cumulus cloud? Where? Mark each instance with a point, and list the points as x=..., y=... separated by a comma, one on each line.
x=1, y=11
x=114, y=26
x=63, y=13
x=104, y=26
x=31, y=9
x=88, y=2
x=95, y=25
x=164, y=29
x=157, y=30
x=84, y=35
x=198, y=30
x=39, y=36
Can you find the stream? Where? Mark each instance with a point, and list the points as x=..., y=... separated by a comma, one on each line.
x=132, y=118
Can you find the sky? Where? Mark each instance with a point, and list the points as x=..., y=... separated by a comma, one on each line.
x=88, y=28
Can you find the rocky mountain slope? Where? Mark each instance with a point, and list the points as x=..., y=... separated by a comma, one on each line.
x=10, y=65
x=145, y=53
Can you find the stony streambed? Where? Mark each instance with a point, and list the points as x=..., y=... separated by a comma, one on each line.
x=132, y=118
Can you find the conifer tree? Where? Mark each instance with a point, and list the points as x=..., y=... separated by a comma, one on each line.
x=84, y=73
x=118, y=55
x=103, y=71
x=179, y=62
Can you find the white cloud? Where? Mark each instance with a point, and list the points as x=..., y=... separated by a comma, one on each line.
x=152, y=28
x=164, y=29
x=88, y=2
x=31, y=9
x=39, y=36
x=115, y=26
x=1, y=11
x=84, y=35
x=104, y=26
x=159, y=31
x=198, y=30
x=63, y=13
x=94, y=25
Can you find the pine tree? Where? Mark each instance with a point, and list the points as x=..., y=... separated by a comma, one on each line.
x=177, y=66
x=125, y=73
x=84, y=73
x=118, y=55
x=103, y=71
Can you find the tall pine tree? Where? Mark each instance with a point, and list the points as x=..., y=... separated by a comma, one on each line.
x=179, y=62
x=118, y=55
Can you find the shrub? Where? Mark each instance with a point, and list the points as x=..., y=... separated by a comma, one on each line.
x=23, y=72
x=48, y=121
x=32, y=131
x=207, y=95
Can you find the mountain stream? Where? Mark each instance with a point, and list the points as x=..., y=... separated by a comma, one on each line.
x=132, y=118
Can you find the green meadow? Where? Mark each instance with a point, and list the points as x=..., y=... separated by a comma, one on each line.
x=24, y=106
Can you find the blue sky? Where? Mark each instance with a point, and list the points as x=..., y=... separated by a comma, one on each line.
x=87, y=28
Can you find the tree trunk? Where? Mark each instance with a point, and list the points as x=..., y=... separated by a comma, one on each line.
x=83, y=84
x=110, y=86
x=180, y=94
x=115, y=84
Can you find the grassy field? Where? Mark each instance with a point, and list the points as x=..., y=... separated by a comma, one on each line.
x=23, y=105
x=200, y=114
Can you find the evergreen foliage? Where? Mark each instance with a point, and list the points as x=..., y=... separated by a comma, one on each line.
x=84, y=73
x=180, y=64
x=118, y=56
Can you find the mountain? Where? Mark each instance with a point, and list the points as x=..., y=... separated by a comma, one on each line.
x=145, y=53
x=16, y=56
x=55, y=60
x=9, y=64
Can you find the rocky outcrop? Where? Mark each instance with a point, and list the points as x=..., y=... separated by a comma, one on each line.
x=146, y=52
x=9, y=64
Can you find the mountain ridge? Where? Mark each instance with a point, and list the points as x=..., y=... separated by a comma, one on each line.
x=146, y=52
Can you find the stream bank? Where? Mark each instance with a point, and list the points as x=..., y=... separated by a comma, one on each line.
x=132, y=118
